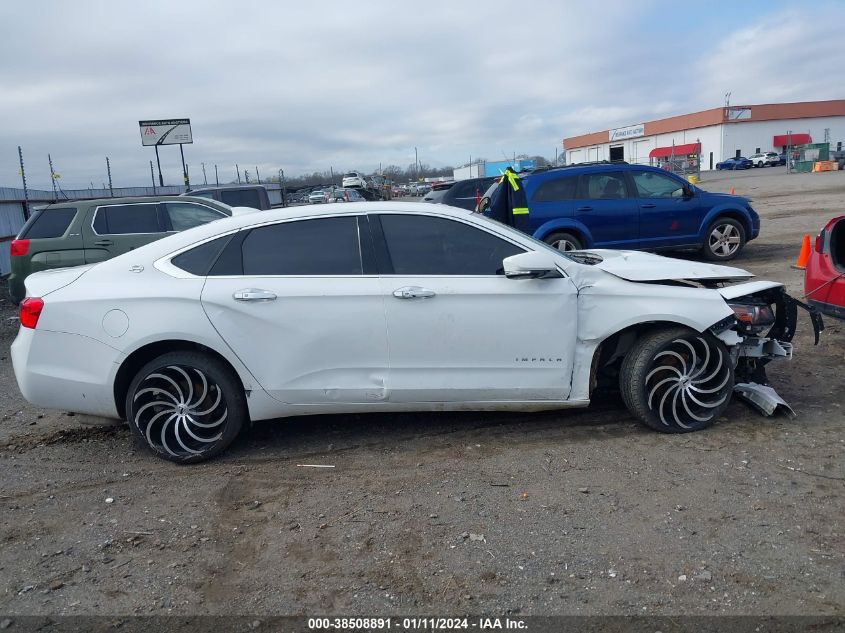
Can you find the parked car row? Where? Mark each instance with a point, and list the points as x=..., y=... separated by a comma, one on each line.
x=341, y=309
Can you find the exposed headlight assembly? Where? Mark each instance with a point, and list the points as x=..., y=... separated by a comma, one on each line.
x=753, y=314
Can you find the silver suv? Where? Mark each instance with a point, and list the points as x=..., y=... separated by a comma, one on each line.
x=764, y=159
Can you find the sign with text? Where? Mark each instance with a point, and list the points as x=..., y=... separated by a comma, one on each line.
x=622, y=133
x=737, y=113
x=166, y=132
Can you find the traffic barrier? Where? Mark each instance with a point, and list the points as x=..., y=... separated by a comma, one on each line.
x=824, y=165
x=804, y=255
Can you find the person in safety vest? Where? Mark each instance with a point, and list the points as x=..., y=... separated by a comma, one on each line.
x=508, y=203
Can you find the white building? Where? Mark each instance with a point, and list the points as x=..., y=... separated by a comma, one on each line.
x=716, y=134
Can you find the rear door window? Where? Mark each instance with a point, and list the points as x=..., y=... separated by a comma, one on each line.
x=127, y=219
x=324, y=246
x=48, y=223
x=604, y=185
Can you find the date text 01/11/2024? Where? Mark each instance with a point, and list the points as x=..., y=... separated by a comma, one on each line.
x=415, y=623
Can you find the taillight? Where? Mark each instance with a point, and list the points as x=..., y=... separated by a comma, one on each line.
x=818, y=243
x=30, y=310
x=19, y=247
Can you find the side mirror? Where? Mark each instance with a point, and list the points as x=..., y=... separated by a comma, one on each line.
x=531, y=265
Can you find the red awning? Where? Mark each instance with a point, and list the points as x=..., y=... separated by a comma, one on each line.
x=782, y=140
x=676, y=150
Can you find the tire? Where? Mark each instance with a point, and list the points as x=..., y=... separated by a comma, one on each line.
x=723, y=240
x=186, y=427
x=564, y=241
x=677, y=380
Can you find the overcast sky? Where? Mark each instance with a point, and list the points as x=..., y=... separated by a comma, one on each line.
x=351, y=85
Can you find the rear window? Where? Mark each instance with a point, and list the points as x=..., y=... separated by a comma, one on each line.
x=241, y=198
x=198, y=261
x=48, y=223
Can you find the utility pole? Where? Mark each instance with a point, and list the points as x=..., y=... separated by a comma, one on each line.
x=108, y=170
x=238, y=172
x=216, y=177
x=788, y=151
x=158, y=162
x=416, y=165
x=282, y=185
x=153, y=177
x=204, y=179
x=25, y=190
x=53, y=178
x=184, y=169
x=257, y=175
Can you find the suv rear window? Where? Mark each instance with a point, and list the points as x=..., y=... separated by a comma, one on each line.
x=48, y=223
x=241, y=198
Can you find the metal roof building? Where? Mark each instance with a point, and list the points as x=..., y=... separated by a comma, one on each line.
x=715, y=134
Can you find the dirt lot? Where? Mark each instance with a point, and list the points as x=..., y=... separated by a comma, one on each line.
x=576, y=513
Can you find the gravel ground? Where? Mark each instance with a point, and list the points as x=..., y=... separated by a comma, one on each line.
x=530, y=514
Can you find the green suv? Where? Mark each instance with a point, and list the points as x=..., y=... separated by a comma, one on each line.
x=91, y=231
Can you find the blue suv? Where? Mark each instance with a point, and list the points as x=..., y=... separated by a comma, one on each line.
x=617, y=205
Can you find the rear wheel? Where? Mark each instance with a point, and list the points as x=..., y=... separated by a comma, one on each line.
x=186, y=406
x=725, y=239
x=677, y=380
x=564, y=241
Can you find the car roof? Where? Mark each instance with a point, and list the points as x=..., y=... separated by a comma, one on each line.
x=223, y=226
x=133, y=200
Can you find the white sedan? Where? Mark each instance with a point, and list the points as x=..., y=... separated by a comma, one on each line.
x=386, y=307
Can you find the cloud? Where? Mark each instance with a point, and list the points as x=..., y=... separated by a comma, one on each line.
x=310, y=86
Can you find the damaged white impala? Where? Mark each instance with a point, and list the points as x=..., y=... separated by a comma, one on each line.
x=388, y=307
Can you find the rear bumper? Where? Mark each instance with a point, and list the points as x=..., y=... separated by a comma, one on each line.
x=65, y=371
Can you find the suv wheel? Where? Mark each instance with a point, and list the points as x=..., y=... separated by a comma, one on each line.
x=725, y=238
x=677, y=380
x=564, y=241
x=185, y=406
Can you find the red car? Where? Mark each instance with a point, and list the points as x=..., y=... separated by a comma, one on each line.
x=824, y=278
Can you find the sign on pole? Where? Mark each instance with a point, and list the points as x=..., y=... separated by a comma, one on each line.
x=166, y=132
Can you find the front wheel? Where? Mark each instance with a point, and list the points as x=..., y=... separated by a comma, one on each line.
x=725, y=238
x=677, y=380
x=186, y=406
x=564, y=241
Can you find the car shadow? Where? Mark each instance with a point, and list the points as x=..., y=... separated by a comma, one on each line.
x=324, y=435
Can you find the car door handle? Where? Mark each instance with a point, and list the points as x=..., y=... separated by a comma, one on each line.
x=648, y=206
x=412, y=292
x=254, y=294
x=103, y=243
x=584, y=209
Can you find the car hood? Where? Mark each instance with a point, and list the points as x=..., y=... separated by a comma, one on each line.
x=717, y=198
x=639, y=266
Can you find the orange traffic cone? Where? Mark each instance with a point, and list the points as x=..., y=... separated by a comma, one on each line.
x=804, y=255
x=732, y=191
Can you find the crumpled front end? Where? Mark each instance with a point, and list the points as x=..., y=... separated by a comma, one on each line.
x=760, y=331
